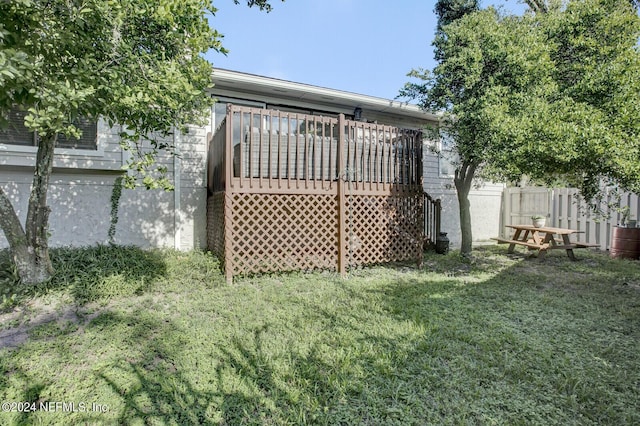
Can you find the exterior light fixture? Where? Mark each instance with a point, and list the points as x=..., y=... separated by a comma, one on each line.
x=357, y=114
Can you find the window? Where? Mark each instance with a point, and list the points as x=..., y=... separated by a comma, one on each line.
x=306, y=111
x=89, y=137
x=220, y=112
x=220, y=108
x=17, y=134
x=447, y=156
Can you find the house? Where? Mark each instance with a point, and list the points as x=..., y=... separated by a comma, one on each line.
x=82, y=184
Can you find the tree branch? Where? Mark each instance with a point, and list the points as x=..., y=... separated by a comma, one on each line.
x=538, y=6
x=470, y=173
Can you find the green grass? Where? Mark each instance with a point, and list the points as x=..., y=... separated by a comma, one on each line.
x=158, y=338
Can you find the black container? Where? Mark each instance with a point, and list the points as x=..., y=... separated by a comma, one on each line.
x=442, y=243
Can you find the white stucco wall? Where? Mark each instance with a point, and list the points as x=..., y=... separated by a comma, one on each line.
x=485, y=203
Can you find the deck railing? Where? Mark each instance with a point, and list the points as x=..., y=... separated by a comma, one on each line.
x=216, y=170
x=432, y=212
x=270, y=149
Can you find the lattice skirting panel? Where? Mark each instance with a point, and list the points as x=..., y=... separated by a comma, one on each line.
x=282, y=232
x=383, y=229
x=215, y=223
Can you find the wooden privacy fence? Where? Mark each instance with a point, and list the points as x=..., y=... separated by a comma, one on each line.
x=291, y=191
x=565, y=209
x=569, y=211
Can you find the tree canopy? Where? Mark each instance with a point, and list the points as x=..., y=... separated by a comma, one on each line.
x=591, y=121
x=551, y=95
x=449, y=11
x=137, y=63
x=586, y=129
x=490, y=68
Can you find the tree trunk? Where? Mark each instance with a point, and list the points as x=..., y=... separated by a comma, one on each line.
x=18, y=247
x=30, y=249
x=463, y=181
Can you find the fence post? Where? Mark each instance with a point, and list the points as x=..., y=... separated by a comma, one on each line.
x=342, y=200
x=506, y=210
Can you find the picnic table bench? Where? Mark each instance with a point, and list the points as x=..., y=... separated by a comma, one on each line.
x=543, y=239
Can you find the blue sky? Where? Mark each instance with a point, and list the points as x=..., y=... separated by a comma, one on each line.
x=361, y=46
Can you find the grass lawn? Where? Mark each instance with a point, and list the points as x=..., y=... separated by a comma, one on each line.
x=157, y=337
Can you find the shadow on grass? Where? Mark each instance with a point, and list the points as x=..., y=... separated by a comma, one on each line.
x=89, y=273
x=150, y=385
x=510, y=347
x=539, y=342
x=306, y=388
x=136, y=380
x=239, y=383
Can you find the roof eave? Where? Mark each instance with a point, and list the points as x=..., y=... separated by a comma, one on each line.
x=268, y=85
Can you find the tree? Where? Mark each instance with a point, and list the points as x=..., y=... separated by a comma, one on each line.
x=262, y=4
x=544, y=6
x=135, y=63
x=550, y=95
x=485, y=62
x=591, y=135
x=449, y=11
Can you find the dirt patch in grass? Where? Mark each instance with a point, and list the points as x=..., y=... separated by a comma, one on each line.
x=18, y=323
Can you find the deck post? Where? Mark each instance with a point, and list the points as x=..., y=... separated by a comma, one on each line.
x=228, y=198
x=342, y=200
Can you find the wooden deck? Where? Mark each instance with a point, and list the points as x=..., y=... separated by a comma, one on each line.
x=291, y=191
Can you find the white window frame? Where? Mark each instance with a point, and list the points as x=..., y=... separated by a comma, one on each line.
x=447, y=159
x=234, y=101
x=75, y=153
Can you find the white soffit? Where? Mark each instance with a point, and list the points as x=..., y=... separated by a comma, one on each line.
x=226, y=81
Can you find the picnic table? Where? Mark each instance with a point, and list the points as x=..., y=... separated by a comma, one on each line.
x=543, y=239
